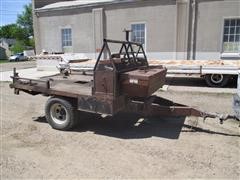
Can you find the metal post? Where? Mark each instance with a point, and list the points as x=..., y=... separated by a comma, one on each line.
x=15, y=74
x=127, y=33
x=194, y=10
x=48, y=84
x=238, y=84
x=14, y=71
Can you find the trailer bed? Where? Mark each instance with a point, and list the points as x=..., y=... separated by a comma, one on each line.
x=180, y=66
x=201, y=67
x=73, y=86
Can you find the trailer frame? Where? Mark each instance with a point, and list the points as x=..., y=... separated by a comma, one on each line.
x=103, y=95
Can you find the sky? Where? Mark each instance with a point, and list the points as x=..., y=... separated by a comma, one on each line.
x=9, y=9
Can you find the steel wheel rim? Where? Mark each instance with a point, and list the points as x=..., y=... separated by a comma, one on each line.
x=216, y=78
x=58, y=113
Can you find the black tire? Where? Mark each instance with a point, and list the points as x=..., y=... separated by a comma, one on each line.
x=60, y=114
x=17, y=59
x=217, y=80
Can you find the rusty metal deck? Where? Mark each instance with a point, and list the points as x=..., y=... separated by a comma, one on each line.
x=55, y=85
x=74, y=88
x=75, y=84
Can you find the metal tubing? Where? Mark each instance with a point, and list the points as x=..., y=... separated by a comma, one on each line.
x=157, y=106
x=120, y=42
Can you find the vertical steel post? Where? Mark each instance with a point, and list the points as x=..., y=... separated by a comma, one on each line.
x=127, y=33
x=238, y=84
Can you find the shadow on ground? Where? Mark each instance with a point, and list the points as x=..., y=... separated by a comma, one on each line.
x=129, y=126
x=194, y=82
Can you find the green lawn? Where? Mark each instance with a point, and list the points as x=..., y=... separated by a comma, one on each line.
x=3, y=61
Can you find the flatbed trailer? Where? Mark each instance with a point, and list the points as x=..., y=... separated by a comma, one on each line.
x=216, y=73
x=122, y=82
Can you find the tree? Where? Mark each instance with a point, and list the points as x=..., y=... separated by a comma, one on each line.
x=6, y=31
x=13, y=31
x=18, y=47
x=25, y=20
x=22, y=31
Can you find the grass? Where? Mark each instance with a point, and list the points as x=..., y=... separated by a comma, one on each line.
x=3, y=61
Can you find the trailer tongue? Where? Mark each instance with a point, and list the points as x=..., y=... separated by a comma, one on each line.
x=122, y=82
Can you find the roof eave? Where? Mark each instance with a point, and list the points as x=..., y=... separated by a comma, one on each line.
x=40, y=10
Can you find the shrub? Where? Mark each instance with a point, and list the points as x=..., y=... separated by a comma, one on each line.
x=18, y=47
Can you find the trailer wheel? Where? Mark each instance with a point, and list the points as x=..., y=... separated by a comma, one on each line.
x=216, y=80
x=60, y=114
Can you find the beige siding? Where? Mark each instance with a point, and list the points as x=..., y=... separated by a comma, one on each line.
x=160, y=20
x=210, y=21
x=82, y=34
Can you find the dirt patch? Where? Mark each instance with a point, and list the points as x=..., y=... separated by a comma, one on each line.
x=118, y=147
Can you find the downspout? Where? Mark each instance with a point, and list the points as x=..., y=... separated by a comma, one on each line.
x=193, y=29
x=36, y=29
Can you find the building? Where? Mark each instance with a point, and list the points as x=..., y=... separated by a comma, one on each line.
x=5, y=45
x=2, y=53
x=169, y=29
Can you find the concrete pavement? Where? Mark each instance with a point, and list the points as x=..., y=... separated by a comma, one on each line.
x=19, y=65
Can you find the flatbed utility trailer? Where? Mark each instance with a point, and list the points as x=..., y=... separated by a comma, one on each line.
x=122, y=82
x=216, y=73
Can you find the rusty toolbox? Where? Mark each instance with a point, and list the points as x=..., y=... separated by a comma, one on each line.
x=142, y=82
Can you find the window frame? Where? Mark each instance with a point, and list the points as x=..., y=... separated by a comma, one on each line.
x=62, y=35
x=222, y=34
x=145, y=32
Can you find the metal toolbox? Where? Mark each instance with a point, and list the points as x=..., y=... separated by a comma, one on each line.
x=142, y=82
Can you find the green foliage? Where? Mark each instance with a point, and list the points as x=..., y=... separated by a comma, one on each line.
x=22, y=30
x=31, y=42
x=18, y=47
x=13, y=31
x=6, y=31
x=3, y=61
x=25, y=20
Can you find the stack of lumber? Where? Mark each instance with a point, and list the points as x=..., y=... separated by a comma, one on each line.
x=195, y=62
x=51, y=61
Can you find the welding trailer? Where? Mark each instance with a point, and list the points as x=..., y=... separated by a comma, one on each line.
x=122, y=82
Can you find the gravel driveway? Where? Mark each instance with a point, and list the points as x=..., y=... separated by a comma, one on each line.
x=118, y=147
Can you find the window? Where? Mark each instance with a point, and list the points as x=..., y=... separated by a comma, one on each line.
x=138, y=33
x=66, y=37
x=231, y=36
